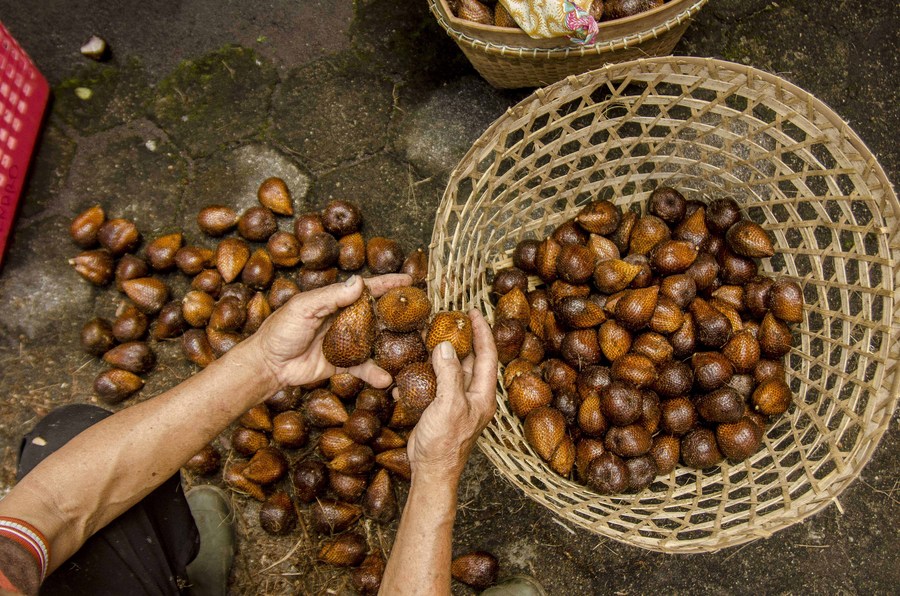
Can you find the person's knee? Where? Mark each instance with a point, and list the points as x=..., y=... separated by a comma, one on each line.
x=53, y=431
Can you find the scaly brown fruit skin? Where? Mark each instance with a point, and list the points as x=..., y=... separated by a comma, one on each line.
x=356, y=459
x=247, y=442
x=650, y=411
x=119, y=236
x=507, y=279
x=191, y=260
x=351, y=336
x=161, y=251
x=403, y=309
x=678, y=415
x=545, y=428
x=528, y=392
x=416, y=266
x=362, y=426
x=233, y=477
x=772, y=397
x=257, y=224
x=396, y=461
x=86, y=225
x=309, y=478
x=196, y=347
x=739, y=440
x=599, y=217
x=347, y=550
x=620, y=9
x=148, y=294
x=628, y=441
x=277, y=515
x=333, y=440
x=306, y=225
x=641, y=472
x=366, y=578
x=281, y=290
x=721, y=214
x=665, y=451
x=635, y=309
x=452, y=326
x=607, y=474
x=477, y=569
x=394, y=351
x=380, y=503
x=97, y=336
x=384, y=255
x=331, y=517
x=475, y=11
x=135, y=357
x=130, y=267
x=323, y=409
x=723, y=405
x=284, y=399
x=197, y=307
x=273, y=194
x=96, y=266
x=416, y=386
x=259, y=270
x=267, y=466
x=204, y=462
x=700, y=450
x=216, y=220
x=116, y=385
x=667, y=204
x=785, y=300
x=351, y=252
x=130, y=324
x=345, y=385
x=749, y=239
x=341, y=218
x=289, y=430
x=231, y=256
x=257, y=418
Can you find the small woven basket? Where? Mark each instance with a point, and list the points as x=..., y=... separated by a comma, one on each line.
x=509, y=58
x=710, y=129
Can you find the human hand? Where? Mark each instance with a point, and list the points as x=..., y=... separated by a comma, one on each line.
x=466, y=400
x=290, y=341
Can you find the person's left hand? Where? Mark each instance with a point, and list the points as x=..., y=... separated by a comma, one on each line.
x=440, y=444
x=290, y=341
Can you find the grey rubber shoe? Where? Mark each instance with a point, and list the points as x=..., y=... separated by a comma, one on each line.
x=516, y=585
x=208, y=573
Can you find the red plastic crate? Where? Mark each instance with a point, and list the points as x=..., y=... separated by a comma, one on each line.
x=23, y=97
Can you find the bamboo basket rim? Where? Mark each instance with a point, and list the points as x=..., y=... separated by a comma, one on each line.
x=451, y=24
x=885, y=386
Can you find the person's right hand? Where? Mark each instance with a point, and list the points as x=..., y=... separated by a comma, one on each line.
x=289, y=343
x=466, y=400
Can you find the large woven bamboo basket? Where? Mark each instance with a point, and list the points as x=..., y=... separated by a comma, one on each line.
x=509, y=58
x=711, y=129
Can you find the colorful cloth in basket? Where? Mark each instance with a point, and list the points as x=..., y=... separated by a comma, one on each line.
x=554, y=18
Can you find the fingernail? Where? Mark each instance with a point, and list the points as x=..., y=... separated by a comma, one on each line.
x=350, y=280
x=446, y=350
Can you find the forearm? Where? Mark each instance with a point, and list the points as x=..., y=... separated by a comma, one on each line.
x=112, y=465
x=420, y=558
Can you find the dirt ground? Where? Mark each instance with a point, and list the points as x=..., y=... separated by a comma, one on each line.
x=371, y=101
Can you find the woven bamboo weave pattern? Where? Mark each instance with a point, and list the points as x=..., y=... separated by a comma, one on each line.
x=710, y=129
x=509, y=58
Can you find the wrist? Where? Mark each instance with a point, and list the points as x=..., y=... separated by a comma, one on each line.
x=438, y=481
x=247, y=357
x=434, y=497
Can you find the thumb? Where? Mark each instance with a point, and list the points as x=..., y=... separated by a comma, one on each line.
x=448, y=371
